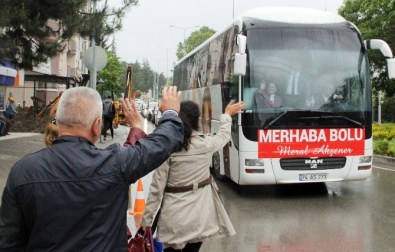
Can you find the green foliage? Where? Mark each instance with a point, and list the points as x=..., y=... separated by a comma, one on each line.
x=110, y=75
x=384, y=131
x=376, y=20
x=26, y=28
x=381, y=147
x=384, y=139
x=193, y=41
x=180, y=53
x=143, y=77
x=387, y=110
x=391, y=150
x=113, y=76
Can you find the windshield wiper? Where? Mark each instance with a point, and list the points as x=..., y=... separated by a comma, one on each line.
x=345, y=118
x=275, y=120
x=333, y=117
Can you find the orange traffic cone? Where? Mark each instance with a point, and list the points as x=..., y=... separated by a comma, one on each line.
x=139, y=203
x=137, y=221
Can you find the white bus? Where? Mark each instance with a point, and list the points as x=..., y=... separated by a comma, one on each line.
x=296, y=136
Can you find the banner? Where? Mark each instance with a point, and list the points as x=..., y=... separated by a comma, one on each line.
x=295, y=143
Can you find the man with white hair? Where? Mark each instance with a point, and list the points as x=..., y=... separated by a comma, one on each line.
x=73, y=196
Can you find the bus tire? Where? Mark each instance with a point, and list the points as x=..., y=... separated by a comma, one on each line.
x=216, y=166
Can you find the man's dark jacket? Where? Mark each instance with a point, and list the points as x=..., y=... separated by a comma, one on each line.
x=73, y=196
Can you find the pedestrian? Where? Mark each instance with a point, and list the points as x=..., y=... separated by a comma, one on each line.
x=108, y=116
x=4, y=124
x=11, y=108
x=191, y=211
x=73, y=196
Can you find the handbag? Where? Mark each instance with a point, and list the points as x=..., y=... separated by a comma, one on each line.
x=142, y=241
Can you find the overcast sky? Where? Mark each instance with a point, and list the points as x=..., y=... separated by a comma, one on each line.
x=146, y=32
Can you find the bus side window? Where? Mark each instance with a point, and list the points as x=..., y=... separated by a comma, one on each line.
x=248, y=98
x=229, y=92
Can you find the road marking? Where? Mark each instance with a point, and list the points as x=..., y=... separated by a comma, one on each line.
x=382, y=168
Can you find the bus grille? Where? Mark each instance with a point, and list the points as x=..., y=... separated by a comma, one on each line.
x=312, y=163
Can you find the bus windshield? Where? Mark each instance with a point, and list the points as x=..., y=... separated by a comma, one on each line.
x=306, y=77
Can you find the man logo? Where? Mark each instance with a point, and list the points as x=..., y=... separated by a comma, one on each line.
x=313, y=162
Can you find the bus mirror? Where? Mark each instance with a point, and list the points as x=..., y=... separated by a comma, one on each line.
x=378, y=44
x=240, y=64
x=241, y=41
x=391, y=68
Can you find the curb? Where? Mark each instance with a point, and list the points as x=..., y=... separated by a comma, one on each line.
x=13, y=135
x=384, y=160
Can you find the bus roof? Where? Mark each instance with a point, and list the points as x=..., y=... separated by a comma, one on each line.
x=293, y=15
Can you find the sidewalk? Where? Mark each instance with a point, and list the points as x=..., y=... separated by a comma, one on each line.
x=13, y=135
x=384, y=160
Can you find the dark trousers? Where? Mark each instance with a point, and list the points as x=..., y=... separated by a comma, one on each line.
x=107, y=124
x=2, y=128
x=190, y=247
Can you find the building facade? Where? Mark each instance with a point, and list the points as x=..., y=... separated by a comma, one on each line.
x=38, y=86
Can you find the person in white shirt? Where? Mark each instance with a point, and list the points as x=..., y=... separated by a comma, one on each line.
x=326, y=96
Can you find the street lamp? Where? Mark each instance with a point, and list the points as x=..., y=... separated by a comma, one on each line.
x=184, y=28
x=155, y=85
x=379, y=108
x=167, y=59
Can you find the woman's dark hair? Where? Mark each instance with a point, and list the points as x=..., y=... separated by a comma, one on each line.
x=52, y=131
x=189, y=114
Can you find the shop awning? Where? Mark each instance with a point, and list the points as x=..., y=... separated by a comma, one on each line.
x=7, y=73
x=52, y=79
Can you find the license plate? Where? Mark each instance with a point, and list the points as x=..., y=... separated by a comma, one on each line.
x=312, y=177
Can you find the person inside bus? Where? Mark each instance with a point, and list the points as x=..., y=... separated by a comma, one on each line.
x=268, y=98
x=326, y=96
x=191, y=211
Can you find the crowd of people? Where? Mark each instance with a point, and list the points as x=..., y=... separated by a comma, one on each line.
x=73, y=196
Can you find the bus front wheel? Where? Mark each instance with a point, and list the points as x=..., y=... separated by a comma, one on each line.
x=216, y=167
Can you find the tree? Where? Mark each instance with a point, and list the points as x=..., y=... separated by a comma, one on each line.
x=27, y=27
x=387, y=109
x=110, y=75
x=143, y=77
x=375, y=19
x=193, y=41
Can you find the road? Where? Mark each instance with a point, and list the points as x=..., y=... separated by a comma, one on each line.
x=337, y=216
x=341, y=216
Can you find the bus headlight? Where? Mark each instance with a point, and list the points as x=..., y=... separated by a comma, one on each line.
x=254, y=162
x=365, y=159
